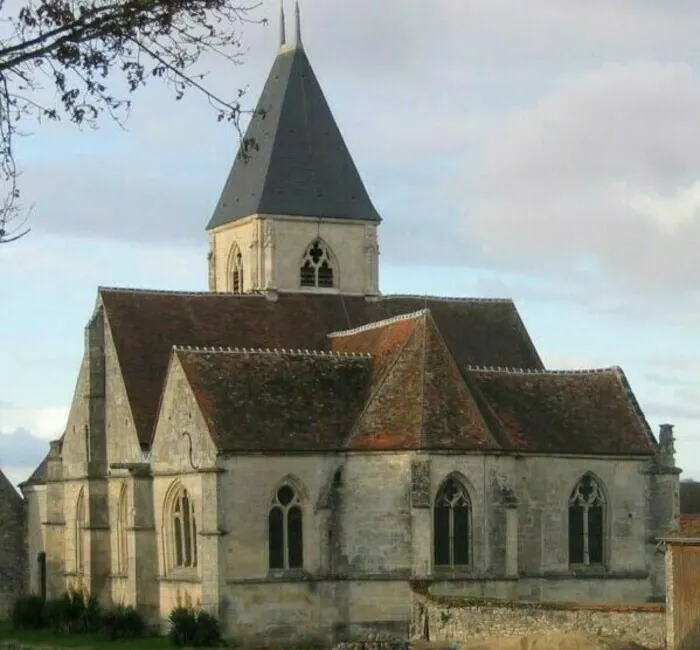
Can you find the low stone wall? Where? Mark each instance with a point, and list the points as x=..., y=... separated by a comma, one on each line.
x=441, y=619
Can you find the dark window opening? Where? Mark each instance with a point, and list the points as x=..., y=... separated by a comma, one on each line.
x=317, y=268
x=285, y=534
x=41, y=560
x=451, y=525
x=237, y=272
x=587, y=523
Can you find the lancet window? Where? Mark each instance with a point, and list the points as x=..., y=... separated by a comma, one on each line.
x=285, y=530
x=452, y=525
x=587, y=522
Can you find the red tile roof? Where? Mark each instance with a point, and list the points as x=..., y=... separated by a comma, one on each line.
x=688, y=526
x=250, y=404
x=145, y=325
x=419, y=397
x=588, y=412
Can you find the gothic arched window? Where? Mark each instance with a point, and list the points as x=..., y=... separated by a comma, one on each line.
x=451, y=524
x=236, y=270
x=122, y=540
x=317, y=266
x=285, y=530
x=80, y=525
x=587, y=522
x=183, y=531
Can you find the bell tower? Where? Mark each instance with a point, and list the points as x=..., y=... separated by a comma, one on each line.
x=294, y=214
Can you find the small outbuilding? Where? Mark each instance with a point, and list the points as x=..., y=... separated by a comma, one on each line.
x=683, y=585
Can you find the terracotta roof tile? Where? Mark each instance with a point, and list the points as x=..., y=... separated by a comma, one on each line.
x=419, y=397
x=688, y=526
x=145, y=325
x=590, y=412
x=251, y=404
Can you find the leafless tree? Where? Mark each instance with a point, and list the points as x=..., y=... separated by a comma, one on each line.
x=82, y=59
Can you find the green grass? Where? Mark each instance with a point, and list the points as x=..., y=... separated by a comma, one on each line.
x=28, y=638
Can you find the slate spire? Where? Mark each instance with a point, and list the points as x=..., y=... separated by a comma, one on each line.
x=297, y=12
x=283, y=28
x=297, y=162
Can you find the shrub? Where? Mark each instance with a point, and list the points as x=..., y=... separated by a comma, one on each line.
x=189, y=627
x=123, y=622
x=183, y=626
x=208, y=633
x=73, y=613
x=28, y=613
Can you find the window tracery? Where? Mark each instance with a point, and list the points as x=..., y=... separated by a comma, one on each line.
x=452, y=525
x=183, y=531
x=587, y=522
x=317, y=266
x=286, y=547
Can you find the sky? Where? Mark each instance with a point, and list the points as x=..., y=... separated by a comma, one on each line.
x=544, y=151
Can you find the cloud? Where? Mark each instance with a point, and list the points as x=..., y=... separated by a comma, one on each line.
x=21, y=450
x=45, y=423
x=573, y=183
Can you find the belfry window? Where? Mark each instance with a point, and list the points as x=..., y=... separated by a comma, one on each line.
x=184, y=531
x=236, y=270
x=285, y=530
x=317, y=266
x=451, y=525
x=586, y=522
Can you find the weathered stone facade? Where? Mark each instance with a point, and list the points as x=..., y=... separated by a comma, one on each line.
x=289, y=471
x=441, y=621
x=13, y=553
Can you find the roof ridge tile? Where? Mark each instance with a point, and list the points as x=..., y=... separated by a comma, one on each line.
x=172, y=292
x=270, y=351
x=413, y=296
x=379, y=323
x=531, y=371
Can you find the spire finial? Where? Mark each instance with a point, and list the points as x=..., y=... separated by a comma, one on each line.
x=283, y=28
x=297, y=11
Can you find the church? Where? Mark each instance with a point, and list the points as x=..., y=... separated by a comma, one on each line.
x=295, y=451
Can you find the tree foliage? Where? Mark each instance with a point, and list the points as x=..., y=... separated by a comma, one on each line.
x=80, y=60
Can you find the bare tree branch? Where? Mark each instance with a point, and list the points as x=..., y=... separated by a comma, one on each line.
x=87, y=49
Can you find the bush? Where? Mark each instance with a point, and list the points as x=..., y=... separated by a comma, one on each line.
x=73, y=613
x=28, y=613
x=123, y=622
x=183, y=626
x=208, y=632
x=189, y=627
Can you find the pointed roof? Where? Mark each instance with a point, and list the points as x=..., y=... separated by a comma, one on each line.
x=419, y=399
x=299, y=164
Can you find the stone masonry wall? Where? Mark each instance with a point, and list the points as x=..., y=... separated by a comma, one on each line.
x=13, y=554
x=442, y=620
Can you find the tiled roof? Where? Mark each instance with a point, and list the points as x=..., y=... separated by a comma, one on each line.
x=40, y=474
x=299, y=164
x=419, y=398
x=277, y=400
x=584, y=412
x=688, y=526
x=145, y=325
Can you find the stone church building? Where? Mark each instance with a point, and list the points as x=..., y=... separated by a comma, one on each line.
x=293, y=450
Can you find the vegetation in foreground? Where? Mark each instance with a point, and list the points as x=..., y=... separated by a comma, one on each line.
x=76, y=620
